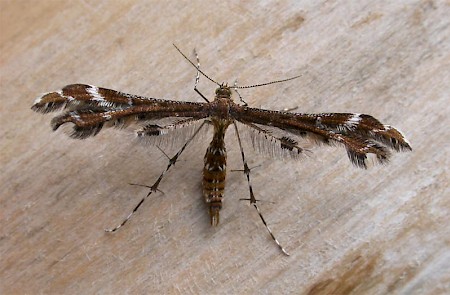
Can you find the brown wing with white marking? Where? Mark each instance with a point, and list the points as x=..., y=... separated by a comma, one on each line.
x=360, y=134
x=91, y=108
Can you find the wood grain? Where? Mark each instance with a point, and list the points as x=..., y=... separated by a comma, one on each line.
x=349, y=231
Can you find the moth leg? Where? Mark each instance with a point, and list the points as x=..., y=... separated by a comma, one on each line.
x=198, y=72
x=252, y=195
x=154, y=187
x=235, y=87
x=242, y=170
x=197, y=77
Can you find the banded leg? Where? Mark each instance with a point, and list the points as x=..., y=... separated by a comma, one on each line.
x=154, y=187
x=235, y=87
x=252, y=195
x=197, y=76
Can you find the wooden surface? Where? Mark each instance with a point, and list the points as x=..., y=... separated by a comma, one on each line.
x=349, y=231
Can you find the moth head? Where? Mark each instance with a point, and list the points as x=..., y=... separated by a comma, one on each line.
x=223, y=91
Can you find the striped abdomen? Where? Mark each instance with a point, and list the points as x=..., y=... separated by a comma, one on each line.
x=214, y=171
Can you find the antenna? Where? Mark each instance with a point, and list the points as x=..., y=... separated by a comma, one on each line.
x=235, y=86
x=267, y=83
x=201, y=72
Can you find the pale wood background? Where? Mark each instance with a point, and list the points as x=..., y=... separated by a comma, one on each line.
x=349, y=231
